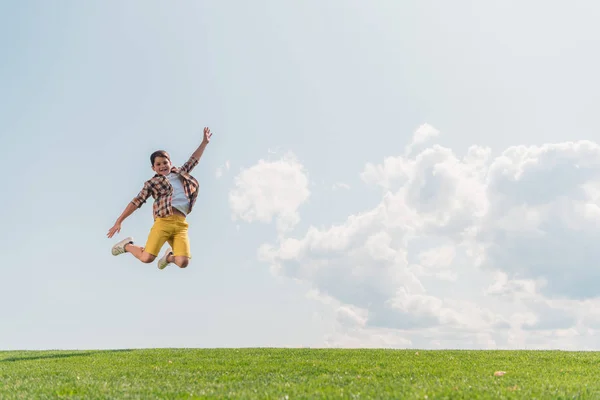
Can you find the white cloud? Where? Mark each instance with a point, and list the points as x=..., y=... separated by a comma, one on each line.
x=392, y=169
x=270, y=190
x=543, y=218
x=491, y=252
x=423, y=134
x=436, y=262
x=513, y=289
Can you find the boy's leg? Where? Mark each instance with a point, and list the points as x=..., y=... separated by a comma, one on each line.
x=156, y=239
x=139, y=253
x=180, y=243
x=180, y=261
x=126, y=246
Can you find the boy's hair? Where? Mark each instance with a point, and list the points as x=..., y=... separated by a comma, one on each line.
x=159, y=153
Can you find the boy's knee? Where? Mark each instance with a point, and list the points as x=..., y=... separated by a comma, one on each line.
x=147, y=258
x=183, y=263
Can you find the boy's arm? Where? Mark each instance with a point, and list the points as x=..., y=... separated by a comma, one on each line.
x=127, y=212
x=141, y=198
x=116, y=228
x=131, y=207
x=195, y=157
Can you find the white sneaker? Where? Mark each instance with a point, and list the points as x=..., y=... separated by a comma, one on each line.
x=119, y=248
x=162, y=262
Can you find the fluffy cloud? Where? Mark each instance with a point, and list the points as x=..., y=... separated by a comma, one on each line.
x=270, y=190
x=543, y=217
x=421, y=136
x=462, y=251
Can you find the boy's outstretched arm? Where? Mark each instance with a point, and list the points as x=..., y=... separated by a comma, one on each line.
x=126, y=213
x=133, y=205
x=198, y=153
x=195, y=157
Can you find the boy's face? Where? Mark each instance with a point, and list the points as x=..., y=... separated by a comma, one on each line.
x=162, y=165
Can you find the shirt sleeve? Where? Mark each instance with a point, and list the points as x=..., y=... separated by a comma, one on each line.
x=142, y=196
x=189, y=165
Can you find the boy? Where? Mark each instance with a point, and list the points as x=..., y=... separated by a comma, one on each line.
x=174, y=191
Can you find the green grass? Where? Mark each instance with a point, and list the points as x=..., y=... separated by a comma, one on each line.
x=298, y=373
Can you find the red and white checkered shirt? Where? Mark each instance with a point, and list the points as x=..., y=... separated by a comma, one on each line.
x=161, y=190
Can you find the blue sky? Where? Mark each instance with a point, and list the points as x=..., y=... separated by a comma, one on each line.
x=316, y=90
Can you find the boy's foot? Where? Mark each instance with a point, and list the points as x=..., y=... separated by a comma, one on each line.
x=162, y=263
x=119, y=248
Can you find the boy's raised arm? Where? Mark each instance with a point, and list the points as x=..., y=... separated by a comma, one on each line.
x=198, y=153
x=190, y=164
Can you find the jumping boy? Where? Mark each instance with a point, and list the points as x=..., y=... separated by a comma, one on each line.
x=174, y=191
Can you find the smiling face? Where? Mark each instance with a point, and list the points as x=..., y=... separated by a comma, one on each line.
x=161, y=165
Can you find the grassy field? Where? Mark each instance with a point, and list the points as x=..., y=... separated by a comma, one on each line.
x=298, y=373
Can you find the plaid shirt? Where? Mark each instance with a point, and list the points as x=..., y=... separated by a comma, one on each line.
x=161, y=190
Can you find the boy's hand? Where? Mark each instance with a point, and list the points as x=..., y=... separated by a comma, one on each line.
x=207, y=135
x=200, y=150
x=116, y=228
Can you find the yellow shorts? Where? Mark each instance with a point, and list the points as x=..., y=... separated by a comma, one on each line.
x=172, y=229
